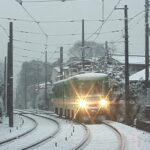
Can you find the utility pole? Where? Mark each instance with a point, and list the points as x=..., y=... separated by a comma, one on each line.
x=34, y=92
x=5, y=84
x=103, y=10
x=25, y=86
x=83, y=50
x=10, y=75
x=46, y=100
x=38, y=76
x=126, y=64
x=61, y=63
x=107, y=52
x=146, y=43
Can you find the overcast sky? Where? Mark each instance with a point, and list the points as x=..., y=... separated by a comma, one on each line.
x=61, y=21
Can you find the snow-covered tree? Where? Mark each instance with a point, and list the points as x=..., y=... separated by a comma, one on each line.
x=92, y=49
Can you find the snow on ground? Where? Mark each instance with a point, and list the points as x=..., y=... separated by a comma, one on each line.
x=101, y=136
x=21, y=125
x=66, y=139
x=45, y=128
x=135, y=139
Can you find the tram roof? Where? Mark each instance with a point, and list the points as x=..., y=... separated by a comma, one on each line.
x=89, y=76
x=84, y=77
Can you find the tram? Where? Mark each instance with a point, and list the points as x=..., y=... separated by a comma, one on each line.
x=82, y=97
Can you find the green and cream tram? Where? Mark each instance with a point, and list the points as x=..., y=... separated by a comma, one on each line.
x=83, y=96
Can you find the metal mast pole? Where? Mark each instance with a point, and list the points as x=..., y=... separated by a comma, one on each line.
x=83, y=50
x=10, y=60
x=8, y=75
x=25, y=86
x=126, y=64
x=5, y=84
x=103, y=10
x=46, y=100
x=38, y=77
x=61, y=62
x=146, y=43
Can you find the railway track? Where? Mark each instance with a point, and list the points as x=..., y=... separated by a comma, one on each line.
x=78, y=140
x=122, y=140
x=33, y=144
x=83, y=142
x=87, y=136
x=22, y=134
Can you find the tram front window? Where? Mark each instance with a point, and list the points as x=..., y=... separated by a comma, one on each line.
x=89, y=89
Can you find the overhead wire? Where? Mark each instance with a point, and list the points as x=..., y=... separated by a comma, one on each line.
x=40, y=1
x=38, y=24
x=29, y=50
x=69, y=34
x=130, y=20
x=59, y=21
x=38, y=43
x=41, y=29
x=99, y=28
x=5, y=31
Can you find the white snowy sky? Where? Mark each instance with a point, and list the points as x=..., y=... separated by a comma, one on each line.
x=57, y=11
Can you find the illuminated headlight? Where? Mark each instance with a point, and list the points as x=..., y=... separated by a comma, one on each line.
x=104, y=102
x=82, y=104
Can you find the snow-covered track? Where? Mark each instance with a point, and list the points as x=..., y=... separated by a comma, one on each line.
x=85, y=140
x=86, y=137
x=35, y=139
x=122, y=140
x=22, y=134
x=46, y=138
x=82, y=144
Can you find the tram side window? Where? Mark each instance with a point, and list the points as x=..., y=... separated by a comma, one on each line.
x=60, y=91
x=73, y=89
x=57, y=92
x=65, y=91
x=54, y=92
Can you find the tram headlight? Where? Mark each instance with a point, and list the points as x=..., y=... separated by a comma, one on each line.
x=82, y=103
x=104, y=103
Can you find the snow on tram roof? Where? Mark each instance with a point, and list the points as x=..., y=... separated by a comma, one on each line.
x=84, y=76
x=89, y=76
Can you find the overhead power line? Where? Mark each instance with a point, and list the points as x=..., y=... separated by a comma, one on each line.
x=63, y=21
x=42, y=1
x=99, y=28
x=38, y=24
x=69, y=34
x=38, y=43
x=29, y=50
x=5, y=31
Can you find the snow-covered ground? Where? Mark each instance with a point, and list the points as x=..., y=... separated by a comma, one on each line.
x=134, y=138
x=21, y=125
x=71, y=134
x=44, y=129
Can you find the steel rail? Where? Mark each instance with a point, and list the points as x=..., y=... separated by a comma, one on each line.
x=122, y=146
x=34, y=145
x=20, y=135
x=86, y=138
